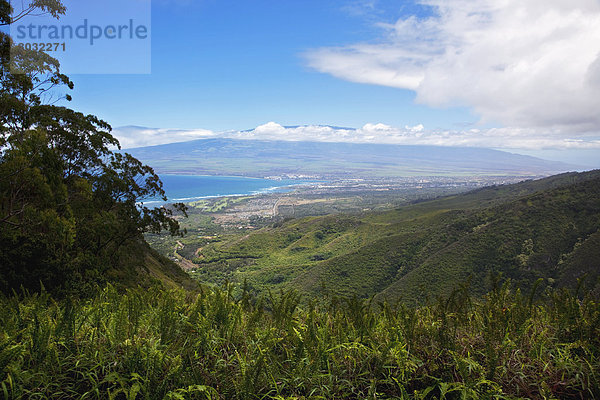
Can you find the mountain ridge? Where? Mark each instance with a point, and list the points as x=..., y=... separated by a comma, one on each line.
x=259, y=158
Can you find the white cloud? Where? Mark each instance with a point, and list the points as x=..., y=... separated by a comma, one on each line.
x=360, y=7
x=135, y=136
x=499, y=138
x=521, y=63
x=275, y=131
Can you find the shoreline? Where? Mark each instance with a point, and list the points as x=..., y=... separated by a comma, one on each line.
x=269, y=190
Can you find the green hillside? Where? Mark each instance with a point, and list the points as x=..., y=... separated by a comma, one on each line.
x=537, y=229
x=137, y=264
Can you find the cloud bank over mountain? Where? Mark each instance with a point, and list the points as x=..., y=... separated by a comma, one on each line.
x=530, y=68
x=500, y=138
x=139, y=136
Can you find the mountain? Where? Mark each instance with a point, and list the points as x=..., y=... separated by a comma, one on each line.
x=259, y=158
x=548, y=229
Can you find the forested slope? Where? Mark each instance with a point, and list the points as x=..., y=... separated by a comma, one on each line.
x=72, y=212
x=537, y=229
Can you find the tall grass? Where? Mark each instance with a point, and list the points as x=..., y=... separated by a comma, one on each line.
x=159, y=344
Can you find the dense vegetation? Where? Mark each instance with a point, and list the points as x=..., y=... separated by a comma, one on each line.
x=71, y=211
x=537, y=229
x=169, y=344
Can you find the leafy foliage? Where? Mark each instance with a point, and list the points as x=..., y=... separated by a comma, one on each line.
x=8, y=15
x=68, y=202
x=167, y=344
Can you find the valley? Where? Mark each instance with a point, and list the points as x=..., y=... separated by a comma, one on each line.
x=214, y=217
x=393, y=243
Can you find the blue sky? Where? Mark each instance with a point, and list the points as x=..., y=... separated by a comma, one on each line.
x=518, y=75
x=226, y=64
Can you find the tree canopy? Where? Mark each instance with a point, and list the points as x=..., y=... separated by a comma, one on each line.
x=69, y=200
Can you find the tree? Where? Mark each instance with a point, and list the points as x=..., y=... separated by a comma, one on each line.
x=36, y=7
x=68, y=202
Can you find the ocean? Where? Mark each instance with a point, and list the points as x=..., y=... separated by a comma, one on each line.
x=187, y=188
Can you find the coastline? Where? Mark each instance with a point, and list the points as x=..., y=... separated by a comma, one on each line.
x=250, y=192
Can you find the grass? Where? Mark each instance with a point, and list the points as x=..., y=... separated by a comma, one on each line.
x=169, y=344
